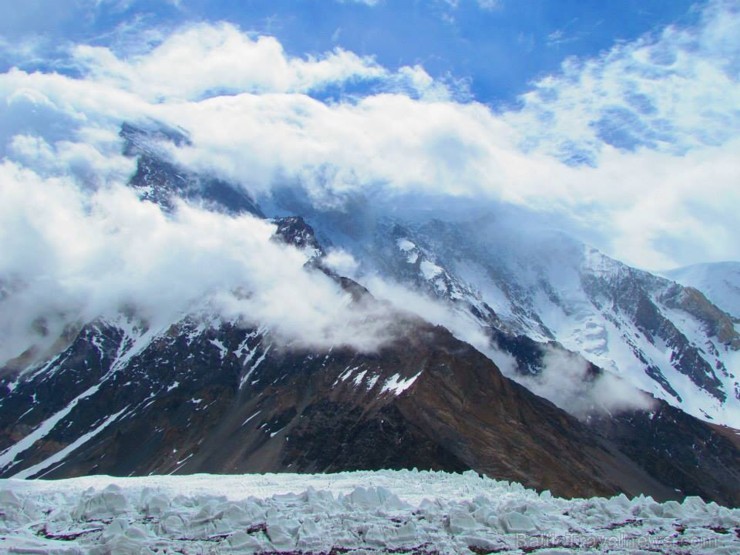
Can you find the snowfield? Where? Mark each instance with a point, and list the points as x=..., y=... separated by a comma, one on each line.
x=354, y=512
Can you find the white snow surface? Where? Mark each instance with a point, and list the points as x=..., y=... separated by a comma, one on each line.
x=405, y=245
x=429, y=269
x=354, y=512
x=397, y=384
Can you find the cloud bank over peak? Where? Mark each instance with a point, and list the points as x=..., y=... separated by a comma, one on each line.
x=566, y=381
x=635, y=150
x=70, y=256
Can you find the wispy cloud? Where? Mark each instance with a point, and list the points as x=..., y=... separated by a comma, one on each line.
x=565, y=381
x=490, y=5
x=365, y=2
x=672, y=92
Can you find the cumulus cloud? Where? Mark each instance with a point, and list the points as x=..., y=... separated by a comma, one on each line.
x=387, y=141
x=210, y=60
x=70, y=256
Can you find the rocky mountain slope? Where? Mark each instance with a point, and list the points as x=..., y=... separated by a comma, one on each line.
x=205, y=393
x=212, y=396
x=719, y=281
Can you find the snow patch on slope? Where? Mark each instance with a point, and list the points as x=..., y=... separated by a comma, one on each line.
x=397, y=385
x=9, y=456
x=429, y=269
x=60, y=455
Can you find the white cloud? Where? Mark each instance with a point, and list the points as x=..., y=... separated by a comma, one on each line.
x=92, y=165
x=70, y=256
x=341, y=262
x=671, y=92
x=462, y=325
x=565, y=381
x=389, y=141
x=29, y=49
x=365, y=2
x=398, y=145
x=485, y=5
x=489, y=5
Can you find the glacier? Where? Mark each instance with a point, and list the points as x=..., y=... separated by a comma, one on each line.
x=353, y=512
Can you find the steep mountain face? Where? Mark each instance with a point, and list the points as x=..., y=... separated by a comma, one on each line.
x=204, y=393
x=643, y=435
x=719, y=281
x=162, y=181
x=664, y=338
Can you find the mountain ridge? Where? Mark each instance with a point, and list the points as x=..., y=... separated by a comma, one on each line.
x=204, y=392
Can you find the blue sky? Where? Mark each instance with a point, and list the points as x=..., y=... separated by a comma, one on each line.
x=495, y=48
x=619, y=121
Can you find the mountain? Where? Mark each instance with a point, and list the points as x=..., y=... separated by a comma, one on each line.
x=206, y=395
x=719, y=281
x=544, y=287
x=161, y=180
x=207, y=392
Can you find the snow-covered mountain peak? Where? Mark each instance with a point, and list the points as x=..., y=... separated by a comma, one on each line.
x=658, y=336
x=598, y=264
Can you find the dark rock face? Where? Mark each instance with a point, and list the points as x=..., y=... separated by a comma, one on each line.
x=162, y=182
x=295, y=231
x=55, y=384
x=707, y=466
